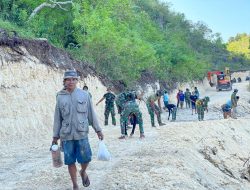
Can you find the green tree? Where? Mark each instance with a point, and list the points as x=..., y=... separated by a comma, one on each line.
x=125, y=38
x=240, y=44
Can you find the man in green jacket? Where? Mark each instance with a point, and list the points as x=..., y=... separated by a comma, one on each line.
x=74, y=113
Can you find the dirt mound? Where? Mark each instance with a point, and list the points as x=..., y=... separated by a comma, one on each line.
x=51, y=56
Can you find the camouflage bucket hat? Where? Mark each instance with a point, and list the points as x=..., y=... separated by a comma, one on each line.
x=70, y=74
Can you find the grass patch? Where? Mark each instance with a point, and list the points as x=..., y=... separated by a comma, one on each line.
x=22, y=32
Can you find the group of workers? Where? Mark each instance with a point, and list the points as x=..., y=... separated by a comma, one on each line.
x=127, y=108
x=130, y=112
x=74, y=112
x=192, y=100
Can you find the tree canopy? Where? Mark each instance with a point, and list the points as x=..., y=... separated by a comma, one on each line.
x=124, y=38
x=240, y=44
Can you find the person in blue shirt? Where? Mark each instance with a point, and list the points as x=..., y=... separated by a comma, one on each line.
x=181, y=98
x=172, y=109
x=196, y=91
x=193, y=99
x=165, y=99
x=227, y=108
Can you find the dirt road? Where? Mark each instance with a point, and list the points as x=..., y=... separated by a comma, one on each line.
x=184, y=155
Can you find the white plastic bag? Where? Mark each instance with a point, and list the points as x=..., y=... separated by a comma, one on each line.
x=103, y=153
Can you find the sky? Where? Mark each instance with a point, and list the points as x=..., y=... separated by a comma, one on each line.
x=227, y=17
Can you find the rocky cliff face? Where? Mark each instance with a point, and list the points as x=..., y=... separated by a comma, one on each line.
x=27, y=94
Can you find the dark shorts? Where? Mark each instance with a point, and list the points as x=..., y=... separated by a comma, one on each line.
x=193, y=106
x=225, y=110
x=77, y=150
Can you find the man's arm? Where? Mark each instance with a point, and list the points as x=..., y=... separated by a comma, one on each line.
x=57, y=124
x=140, y=97
x=100, y=101
x=92, y=118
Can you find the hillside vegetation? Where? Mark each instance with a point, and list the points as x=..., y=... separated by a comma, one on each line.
x=240, y=44
x=124, y=38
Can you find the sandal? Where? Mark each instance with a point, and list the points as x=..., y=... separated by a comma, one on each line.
x=85, y=179
x=122, y=137
x=142, y=136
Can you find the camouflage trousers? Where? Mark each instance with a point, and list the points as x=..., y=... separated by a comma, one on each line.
x=152, y=113
x=188, y=103
x=200, y=112
x=108, y=110
x=130, y=108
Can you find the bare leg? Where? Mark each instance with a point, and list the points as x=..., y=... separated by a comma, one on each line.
x=72, y=171
x=84, y=167
x=84, y=175
x=224, y=115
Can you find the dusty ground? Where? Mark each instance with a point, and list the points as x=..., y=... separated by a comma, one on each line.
x=184, y=155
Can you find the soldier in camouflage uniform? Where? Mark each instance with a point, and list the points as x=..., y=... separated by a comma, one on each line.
x=120, y=103
x=129, y=108
x=200, y=109
x=234, y=103
x=154, y=109
x=109, y=106
x=187, y=98
x=206, y=100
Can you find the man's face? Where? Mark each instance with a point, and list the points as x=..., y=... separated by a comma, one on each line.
x=70, y=83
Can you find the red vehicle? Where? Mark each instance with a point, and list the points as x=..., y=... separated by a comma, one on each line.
x=212, y=77
x=218, y=78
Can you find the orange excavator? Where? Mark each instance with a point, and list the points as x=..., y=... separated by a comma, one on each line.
x=220, y=79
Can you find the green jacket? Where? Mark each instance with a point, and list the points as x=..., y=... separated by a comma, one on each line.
x=74, y=113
